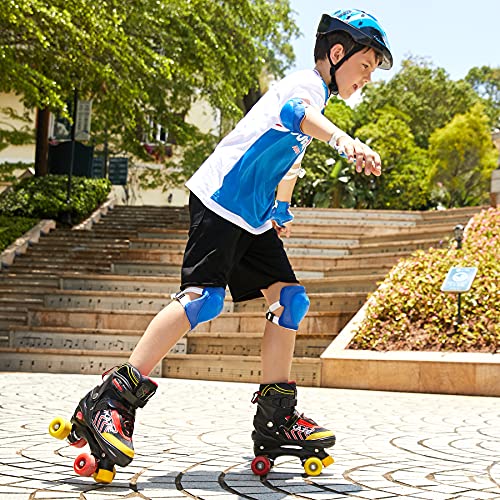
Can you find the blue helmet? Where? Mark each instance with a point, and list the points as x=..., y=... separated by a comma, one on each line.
x=364, y=29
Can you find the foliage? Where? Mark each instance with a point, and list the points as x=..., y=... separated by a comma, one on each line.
x=424, y=93
x=463, y=158
x=12, y=228
x=141, y=61
x=46, y=198
x=15, y=135
x=7, y=170
x=329, y=179
x=409, y=312
x=176, y=172
x=486, y=82
x=404, y=183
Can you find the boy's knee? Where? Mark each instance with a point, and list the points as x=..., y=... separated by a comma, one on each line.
x=295, y=304
x=206, y=307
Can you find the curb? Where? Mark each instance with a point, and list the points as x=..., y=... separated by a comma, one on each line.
x=96, y=215
x=472, y=374
x=22, y=243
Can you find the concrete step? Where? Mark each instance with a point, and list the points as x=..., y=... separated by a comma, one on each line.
x=349, y=262
x=305, y=371
x=62, y=361
x=168, y=285
x=146, y=301
x=315, y=322
x=10, y=279
x=222, y=343
x=397, y=246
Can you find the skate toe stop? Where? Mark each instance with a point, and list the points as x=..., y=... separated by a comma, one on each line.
x=327, y=461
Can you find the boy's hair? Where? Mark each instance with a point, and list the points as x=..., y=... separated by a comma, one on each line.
x=326, y=42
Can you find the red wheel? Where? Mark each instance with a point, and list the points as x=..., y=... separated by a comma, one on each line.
x=261, y=465
x=85, y=464
x=79, y=444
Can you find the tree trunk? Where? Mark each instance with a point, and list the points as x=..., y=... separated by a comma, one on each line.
x=42, y=142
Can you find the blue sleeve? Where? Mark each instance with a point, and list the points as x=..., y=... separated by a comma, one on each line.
x=292, y=114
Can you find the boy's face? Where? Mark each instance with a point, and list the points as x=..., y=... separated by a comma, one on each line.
x=356, y=72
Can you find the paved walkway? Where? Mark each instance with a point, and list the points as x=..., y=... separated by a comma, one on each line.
x=193, y=441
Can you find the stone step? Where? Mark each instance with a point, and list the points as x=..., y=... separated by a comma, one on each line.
x=171, y=285
x=315, y=322
x=292, y=242
x=305, y=371
x=10, y=279
x=145, y=301
x=398, y=246
x=355, y=261
x=78, y=245
x=50, y=267
x=431, y=231
x=222, y=343
x=62, y=361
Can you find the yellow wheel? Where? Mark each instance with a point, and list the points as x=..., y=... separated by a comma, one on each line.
x=313, y=466
x=104, y=476
x=60, y=428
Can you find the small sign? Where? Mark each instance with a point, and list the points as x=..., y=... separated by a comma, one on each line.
x=118, y=171
x=82, y=125
x=97, y=167
x=459, y=279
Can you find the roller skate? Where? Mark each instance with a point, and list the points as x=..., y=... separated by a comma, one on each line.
x=280, y=430
x=104, y=419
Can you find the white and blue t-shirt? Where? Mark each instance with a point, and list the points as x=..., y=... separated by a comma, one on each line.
x=238, y=180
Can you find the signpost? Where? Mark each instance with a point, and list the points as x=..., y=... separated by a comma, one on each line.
x=118, y=171
x=459, y=280
x=97, y=169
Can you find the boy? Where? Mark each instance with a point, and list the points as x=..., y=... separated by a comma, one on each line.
x=232, y=242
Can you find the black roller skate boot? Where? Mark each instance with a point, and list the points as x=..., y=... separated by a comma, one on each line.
x=105, y=419
x=280, y=430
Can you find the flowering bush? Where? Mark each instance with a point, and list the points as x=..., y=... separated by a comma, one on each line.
x=409, y=311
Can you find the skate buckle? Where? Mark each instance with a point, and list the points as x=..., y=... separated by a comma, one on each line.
x=255, y=397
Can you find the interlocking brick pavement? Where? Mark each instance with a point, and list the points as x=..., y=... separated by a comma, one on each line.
x=193, y=441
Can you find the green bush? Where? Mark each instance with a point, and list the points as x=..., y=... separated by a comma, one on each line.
x=409, y=311
x=12, y=228
x=45, y=198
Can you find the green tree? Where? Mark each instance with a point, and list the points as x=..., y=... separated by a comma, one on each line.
x=424, y=93
x=463, y=157
x=329, y=178
x=486, y=82
x=141, y=61
x=404, y=183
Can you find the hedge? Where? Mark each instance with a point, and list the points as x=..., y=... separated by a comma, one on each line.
x=45, y=198
x=12, y=228
x=409, y=311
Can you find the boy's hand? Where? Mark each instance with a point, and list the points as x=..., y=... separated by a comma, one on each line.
x=281, y=217
x=283, y=231
x=362, y=155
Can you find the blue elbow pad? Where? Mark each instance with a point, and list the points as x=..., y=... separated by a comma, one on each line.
x=292, y=114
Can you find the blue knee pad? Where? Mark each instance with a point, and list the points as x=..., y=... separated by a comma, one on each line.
x=295, y=303
x=208, y=306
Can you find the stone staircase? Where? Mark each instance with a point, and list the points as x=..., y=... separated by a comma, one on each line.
x=79, y=300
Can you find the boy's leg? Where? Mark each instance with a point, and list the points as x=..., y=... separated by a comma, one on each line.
x=278, y=343
x=164, y=331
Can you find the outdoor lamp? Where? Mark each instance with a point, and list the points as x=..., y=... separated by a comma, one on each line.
x=459, y=235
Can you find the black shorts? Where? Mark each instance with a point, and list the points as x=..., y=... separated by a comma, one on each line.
x=220, y=253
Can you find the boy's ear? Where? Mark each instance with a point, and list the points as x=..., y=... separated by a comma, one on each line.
x=337, y=52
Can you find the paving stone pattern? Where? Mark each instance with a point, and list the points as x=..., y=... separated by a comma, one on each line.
x=193, y=441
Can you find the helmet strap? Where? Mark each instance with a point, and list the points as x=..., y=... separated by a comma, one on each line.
x=332, y=86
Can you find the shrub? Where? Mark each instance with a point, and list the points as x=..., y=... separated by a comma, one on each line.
x=45, y=198
x=12, y=228
x=409, y=311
